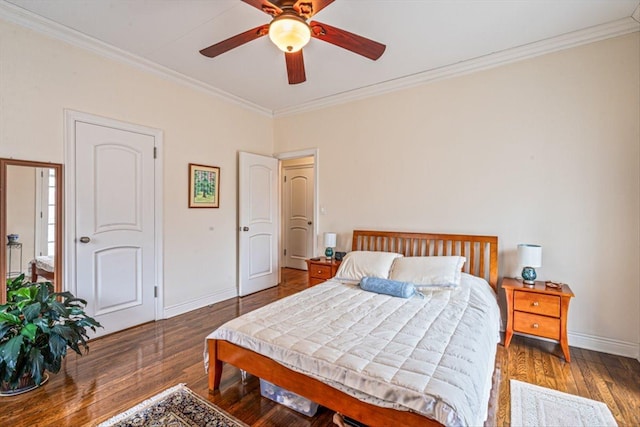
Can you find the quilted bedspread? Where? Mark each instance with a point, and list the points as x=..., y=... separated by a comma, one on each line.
x=433, y=355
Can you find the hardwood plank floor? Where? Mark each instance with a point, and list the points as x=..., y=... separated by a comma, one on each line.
x=127, y=367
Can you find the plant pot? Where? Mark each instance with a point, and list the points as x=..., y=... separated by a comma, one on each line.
x=26, y=384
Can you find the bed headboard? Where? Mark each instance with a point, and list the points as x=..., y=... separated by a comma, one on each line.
x=481, y=251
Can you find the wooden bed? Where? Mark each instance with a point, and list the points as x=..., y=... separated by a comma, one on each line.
x=482, y=261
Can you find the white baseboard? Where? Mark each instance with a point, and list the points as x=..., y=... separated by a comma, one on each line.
x=591, y=342
x=605, y=345
x=185, y=307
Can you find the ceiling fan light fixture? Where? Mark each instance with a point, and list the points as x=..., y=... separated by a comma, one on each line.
x=289, y=32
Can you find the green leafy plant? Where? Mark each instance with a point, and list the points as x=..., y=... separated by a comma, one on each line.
x=37, y=326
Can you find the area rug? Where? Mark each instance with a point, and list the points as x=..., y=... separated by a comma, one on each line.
x=175, y=407
x=532, y=405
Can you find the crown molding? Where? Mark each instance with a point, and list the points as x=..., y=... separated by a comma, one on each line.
x=589, y=35
x=30, y=20
x=24, y=18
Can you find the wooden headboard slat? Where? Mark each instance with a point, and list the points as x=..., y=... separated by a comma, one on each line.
x=474, y=248
x=482, y=250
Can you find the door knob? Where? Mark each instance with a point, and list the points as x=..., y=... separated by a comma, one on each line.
x=310, y=222
x=85, y=239
x=245, y=228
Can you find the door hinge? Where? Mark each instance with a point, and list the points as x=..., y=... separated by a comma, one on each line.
x=155, y=292
x=155, y=152
x=285, y=252
x=285, y=178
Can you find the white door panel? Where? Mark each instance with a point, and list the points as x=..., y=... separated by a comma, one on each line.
x=260, y=249
x=115, y=228
x=258, y=216
x=121, y=212
x=118, y=279
x=298, y=215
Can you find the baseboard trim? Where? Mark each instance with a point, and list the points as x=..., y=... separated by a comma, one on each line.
x=595, y=343
x=185, y=307
x=605, y=345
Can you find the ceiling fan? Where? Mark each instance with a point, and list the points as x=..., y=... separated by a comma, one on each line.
x=290, y=31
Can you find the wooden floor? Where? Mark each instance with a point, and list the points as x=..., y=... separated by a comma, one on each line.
x=125, y=368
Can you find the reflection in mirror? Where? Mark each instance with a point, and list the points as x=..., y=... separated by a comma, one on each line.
x=30, y=210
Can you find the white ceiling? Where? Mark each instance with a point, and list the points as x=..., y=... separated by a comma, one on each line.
x=422, y=37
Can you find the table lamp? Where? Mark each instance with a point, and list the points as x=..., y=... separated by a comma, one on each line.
x=529, y=257
x=329, y=243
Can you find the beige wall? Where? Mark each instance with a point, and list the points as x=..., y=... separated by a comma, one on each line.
x=542, y=151
x=40, y=77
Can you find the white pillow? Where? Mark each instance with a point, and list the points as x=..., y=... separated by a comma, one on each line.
x=428, y=271
x=358, y=264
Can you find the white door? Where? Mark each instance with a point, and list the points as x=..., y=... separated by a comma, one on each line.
x=298, y=215
x=258, y=221
x=114, y=229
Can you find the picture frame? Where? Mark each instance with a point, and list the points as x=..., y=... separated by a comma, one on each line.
x=204, y=186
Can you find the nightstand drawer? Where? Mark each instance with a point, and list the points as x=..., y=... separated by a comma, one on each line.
x=534, y=324
x=320, y=271
x=532, y=302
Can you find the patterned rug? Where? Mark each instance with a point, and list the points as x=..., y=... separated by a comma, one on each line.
x=174, y=407
x=532, y=405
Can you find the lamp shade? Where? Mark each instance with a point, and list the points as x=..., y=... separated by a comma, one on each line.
x=289, y=32
x=330, y=240
x=530, y=255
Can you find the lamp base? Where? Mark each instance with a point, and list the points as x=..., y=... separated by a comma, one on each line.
x=328, y=253
x=529, y=276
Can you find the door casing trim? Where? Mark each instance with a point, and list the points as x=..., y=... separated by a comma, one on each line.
x=310, y=152
x=70, y=119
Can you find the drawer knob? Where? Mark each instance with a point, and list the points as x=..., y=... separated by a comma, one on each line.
x=535, y=303
x=319, y=271
x=535, y=326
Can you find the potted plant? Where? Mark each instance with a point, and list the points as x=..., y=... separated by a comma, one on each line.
x=36, y=327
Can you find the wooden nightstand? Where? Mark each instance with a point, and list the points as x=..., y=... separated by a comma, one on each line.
x=537, y=310
x=321, y=270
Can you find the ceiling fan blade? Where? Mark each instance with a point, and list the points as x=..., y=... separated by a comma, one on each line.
x=295, y=67
x=308, y=8
x=346, y=40
x=235, y=41
x=265, y=6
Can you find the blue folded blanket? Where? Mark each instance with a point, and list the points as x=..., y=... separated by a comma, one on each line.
x=388, y=287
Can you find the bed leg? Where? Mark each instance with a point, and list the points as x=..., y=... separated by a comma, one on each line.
x=215, y=366
x=34, y=272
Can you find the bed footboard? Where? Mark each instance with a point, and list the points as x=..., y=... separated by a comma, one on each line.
x=261, y=366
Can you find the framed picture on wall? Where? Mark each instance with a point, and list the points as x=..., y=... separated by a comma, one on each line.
x=204, y=186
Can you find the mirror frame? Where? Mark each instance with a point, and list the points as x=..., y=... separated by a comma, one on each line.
x=59, y=219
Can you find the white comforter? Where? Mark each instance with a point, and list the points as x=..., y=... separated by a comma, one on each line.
x=433, y=355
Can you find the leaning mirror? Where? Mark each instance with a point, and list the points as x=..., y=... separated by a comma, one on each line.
x=31, y=221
